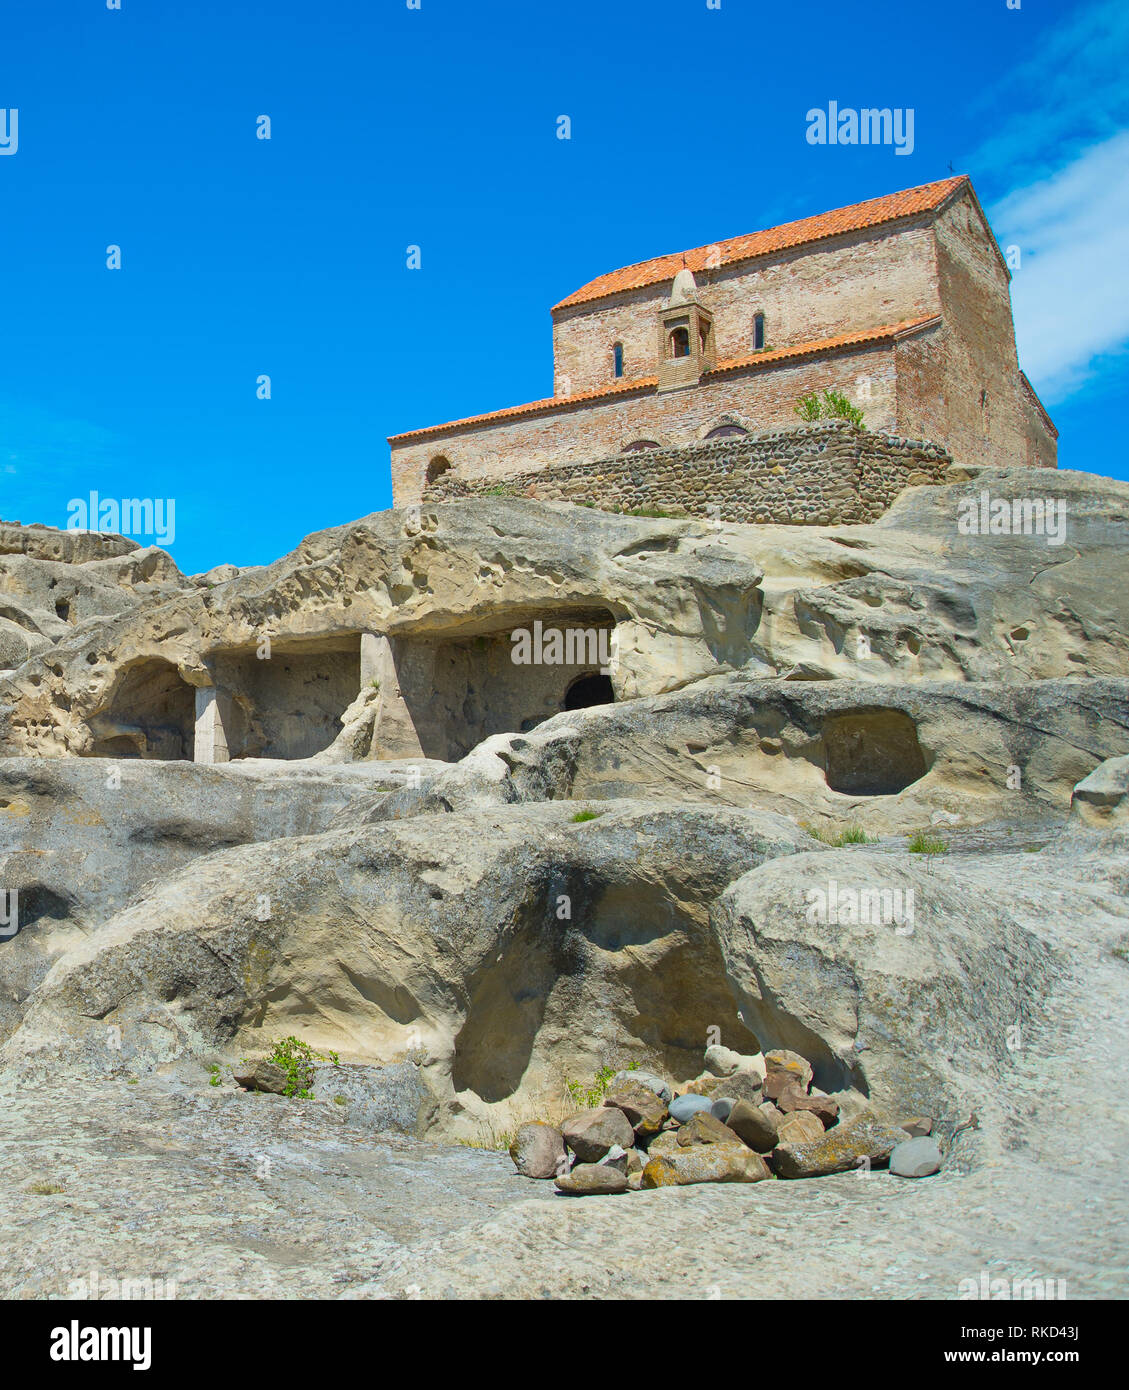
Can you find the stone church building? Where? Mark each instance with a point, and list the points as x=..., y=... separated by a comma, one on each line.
x=902, y=303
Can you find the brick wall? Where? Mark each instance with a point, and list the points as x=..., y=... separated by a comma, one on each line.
x=822, y=474
x=857, y=281
x=963, y=384
x=760, y=398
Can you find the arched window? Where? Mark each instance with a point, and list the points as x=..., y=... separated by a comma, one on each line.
x=637, y=444
x=437, y=467
x=726, y=431
x=680, y=342
x=617, y=354
x=758, y=332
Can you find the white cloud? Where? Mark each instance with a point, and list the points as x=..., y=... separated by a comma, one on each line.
x=1071, y=292
x=1071, y=93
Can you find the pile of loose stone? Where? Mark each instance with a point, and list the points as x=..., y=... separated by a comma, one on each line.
x=745, y=1118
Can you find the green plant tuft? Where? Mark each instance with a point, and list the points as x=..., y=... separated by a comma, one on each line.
x=582, y=816
x=852, y=835
x=832, y=405
x=296, y=1058
x=588, y=1097
x=921, y=843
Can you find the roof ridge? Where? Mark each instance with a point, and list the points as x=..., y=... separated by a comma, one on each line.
x=869, y=212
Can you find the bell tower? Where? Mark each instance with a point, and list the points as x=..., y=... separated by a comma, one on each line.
x=686, y=345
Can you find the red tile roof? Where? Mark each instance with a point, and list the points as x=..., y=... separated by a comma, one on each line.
x=886, y=333
x=858, y=216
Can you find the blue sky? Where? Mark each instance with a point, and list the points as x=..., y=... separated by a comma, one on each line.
x=436, y=127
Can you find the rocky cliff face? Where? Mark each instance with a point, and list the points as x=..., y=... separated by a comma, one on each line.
x=858, y=792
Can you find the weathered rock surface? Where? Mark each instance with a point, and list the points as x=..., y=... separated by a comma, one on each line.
x=915, y=1019
x=739, y=1085
x=1101, y=800
x=191, y=967
x=448, y=925
x=54, y=582
x=686, y=600
x=81, y=838
x=831, y=753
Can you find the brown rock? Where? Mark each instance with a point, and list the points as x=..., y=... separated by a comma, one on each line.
x=783, y=1069
x=538, y=1150
x=917, y=1127
x=592, y=1179
x=264, y=1076
x=755, y=1125
x=664, y=1143
x=742, y=1085
x=705, y=1163
x=800, y=1127
x=792, y=1099
x=865, y=1139
x=704, y=1128
x=591, y=1133
x=645, y=1112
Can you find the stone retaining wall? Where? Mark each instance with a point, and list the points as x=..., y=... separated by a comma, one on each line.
x=830, y=472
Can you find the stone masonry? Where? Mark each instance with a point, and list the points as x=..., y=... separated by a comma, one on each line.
x=829, y=473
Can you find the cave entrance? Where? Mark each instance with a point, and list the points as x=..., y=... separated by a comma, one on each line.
x=288, y=704
x=872, y=752
x=592, y=689
x=458, y=689
x=151, y=714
